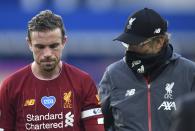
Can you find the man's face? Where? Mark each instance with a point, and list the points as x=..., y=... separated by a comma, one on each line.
x=47, y=48
x=150, y=46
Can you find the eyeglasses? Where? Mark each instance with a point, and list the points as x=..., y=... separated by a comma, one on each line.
x=146, y=42
x=136, y=45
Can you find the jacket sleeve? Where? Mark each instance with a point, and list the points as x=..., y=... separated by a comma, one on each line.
x=91, y=114
x=105, y=87
x=7, y=112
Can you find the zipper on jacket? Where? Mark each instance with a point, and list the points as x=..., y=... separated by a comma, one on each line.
x=149, y=109
x=149, y=106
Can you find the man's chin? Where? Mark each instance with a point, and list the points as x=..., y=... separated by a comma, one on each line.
x=48, y=68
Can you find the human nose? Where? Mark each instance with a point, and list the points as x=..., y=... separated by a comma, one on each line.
x=47, y=52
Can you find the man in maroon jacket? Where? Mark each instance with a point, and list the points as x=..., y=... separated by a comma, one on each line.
x=48, y=94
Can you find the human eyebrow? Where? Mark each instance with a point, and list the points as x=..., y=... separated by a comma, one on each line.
x=39, y=46
x=54, y=45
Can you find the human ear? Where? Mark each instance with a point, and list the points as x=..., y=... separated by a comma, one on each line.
x=64, y=41
x=29, y=43
x=161, y=42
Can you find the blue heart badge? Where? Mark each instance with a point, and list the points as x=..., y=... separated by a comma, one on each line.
x=48, y=102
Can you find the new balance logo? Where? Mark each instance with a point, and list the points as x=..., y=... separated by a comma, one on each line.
x=69, y=119
x=29, y=102
x=157, y=31
x=130, y=92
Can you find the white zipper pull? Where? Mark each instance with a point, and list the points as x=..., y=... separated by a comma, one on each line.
x=148, y=86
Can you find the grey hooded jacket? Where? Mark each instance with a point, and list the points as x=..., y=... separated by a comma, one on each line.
x=130, y=103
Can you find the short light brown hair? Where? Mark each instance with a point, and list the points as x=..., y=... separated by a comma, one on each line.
x=45, y=20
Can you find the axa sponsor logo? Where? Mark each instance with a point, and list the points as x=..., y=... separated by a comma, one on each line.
x=67, y=99
x=29, y=102
x=167, y=105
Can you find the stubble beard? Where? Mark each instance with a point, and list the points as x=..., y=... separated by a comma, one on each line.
x=49, y=67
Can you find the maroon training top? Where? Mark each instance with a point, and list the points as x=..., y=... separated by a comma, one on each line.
x=28, y=103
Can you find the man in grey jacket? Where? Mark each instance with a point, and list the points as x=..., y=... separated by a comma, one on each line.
x=138, y=92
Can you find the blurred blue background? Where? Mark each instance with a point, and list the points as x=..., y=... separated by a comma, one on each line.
x=90, y=25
